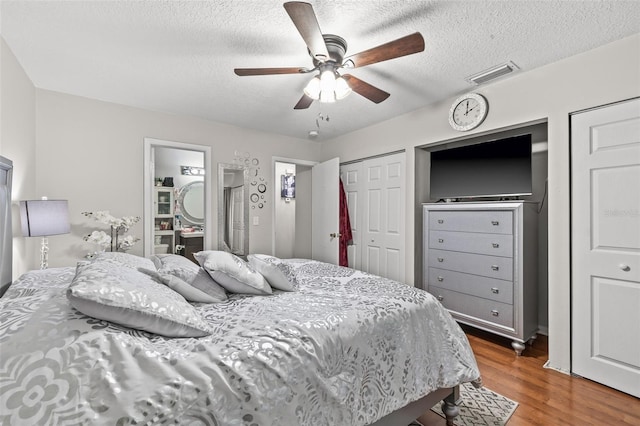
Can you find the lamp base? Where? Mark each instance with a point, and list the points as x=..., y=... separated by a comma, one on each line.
x=44, y=253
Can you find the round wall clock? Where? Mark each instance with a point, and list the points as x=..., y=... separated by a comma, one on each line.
x=468, y=112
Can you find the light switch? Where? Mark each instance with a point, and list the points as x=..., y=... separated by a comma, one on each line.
x=256, y=220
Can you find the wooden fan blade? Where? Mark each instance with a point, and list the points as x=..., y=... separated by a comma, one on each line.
x=267, y=71
x=407, y=45
x=365, y=89
x=305, y=21
x=304, y=102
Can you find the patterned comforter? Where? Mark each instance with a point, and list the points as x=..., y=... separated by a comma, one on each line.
x=345, y=348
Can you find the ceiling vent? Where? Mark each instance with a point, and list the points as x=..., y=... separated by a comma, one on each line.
x=492, y=73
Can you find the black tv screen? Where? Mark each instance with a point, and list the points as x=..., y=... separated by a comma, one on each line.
x=497, y=168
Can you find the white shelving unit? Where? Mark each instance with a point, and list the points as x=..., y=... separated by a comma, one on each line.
x=163, y=215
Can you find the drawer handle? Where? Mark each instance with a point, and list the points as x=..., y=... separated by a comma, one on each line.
x=440, y=259
x=440, y=220
x=440, y=278
x=495, y=290
x=495, y=245
x=495, y=267
x=495, y=313
x=440, y=298
x=495, y=223
x=440, y=240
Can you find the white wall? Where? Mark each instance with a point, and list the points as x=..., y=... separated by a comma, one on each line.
x=91, y=153
x=607, y=74
x=18, y=143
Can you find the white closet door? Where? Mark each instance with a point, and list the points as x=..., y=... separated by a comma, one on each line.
x=351, y=175
x=325, y=219
x=383, y=224
x=605, y=212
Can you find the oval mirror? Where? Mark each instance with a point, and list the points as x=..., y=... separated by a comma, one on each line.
x=191, y=202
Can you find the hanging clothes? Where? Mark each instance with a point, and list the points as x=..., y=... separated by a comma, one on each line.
x=345, y=227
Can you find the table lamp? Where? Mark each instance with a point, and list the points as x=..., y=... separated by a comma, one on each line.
x=41, y=218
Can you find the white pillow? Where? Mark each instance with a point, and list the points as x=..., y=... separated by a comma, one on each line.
x=233, y=273
x=272, y=269
x=125, y=296
x=189, y=272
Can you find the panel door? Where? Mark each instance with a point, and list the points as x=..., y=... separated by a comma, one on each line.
x=605, y=163
x=325, y=201
x=351, y=175
x=383, y=227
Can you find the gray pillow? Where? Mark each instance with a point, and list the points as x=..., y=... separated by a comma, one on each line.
x=272, y=269
x=124, y=259
x=233, y=273
x=189, y=272
x=186, y=290
x=125, y=296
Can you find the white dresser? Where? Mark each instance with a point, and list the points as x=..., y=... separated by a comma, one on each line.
x=480, y=261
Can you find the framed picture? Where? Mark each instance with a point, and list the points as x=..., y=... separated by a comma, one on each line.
x=288, y=186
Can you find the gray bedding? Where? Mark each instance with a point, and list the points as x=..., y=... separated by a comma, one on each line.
x=344, y=348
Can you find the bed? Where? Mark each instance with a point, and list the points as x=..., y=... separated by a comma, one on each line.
x=326, y=346
x=343, y=348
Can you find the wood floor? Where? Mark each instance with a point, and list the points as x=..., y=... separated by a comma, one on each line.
x=546, y=397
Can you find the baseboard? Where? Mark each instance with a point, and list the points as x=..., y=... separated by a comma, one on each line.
x=544, y=330
x=547, y=366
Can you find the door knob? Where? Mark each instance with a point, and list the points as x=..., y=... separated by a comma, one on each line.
x=624, y=267
x=335, y=235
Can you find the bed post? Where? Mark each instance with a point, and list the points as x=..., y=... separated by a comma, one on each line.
x=450, y=405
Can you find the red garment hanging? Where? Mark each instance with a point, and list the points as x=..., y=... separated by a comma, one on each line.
x=345, y=227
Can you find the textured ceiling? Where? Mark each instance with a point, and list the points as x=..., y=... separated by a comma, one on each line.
x=179, y=56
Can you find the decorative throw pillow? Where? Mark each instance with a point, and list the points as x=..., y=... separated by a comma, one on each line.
x=125, y=296
x=272, y=269
x=124, y=259
x=186, y=290
x=189, y=272
x=233, y=273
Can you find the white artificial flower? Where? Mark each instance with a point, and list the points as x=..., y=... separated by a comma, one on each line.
x=127, y=242
x=100, y=238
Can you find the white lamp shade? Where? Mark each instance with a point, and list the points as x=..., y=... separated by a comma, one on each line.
x=41, y=218
x=313, y=88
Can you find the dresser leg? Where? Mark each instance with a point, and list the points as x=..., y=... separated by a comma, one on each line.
x=532, y=339
x=518, y=347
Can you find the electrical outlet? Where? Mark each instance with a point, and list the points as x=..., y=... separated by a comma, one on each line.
x=256, y=220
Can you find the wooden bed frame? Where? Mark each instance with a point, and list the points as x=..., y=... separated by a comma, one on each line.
x=403, y=416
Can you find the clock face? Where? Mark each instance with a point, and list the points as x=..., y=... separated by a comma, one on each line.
x=468, y=111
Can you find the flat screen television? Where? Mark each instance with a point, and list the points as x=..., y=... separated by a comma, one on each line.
x=499, y=168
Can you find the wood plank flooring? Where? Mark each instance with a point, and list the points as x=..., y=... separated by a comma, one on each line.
x=546, y=397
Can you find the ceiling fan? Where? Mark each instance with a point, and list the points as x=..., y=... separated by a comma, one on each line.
x=327, y=53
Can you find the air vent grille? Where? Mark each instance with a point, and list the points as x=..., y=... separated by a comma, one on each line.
x=492, y=73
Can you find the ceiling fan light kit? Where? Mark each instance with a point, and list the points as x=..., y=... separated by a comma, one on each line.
x=328, y=87
x=327, y=54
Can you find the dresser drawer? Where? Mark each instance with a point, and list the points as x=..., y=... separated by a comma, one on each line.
x=484, y=221
x=474, y=285
x=477, y=307
x=472, y=242
x=477, y=264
